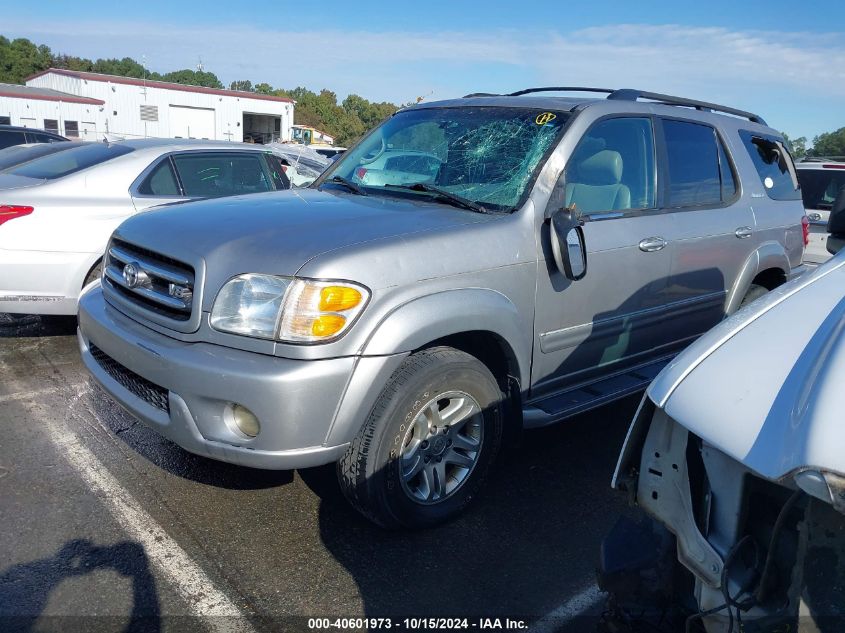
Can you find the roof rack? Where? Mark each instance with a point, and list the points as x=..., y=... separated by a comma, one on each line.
x=629, y=94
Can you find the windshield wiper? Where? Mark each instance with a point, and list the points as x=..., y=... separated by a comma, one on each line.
x=446, y=196
x=340, y=180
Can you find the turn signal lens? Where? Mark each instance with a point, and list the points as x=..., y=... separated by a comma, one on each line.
x=316, y=311
x=327, y=325
x=339, y=298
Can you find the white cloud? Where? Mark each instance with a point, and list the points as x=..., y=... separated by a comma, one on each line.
x=750, y=69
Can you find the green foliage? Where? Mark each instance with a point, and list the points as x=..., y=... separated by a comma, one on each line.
x=191, y=78
x=241, y=84
x=829, y=144
x=21, y=58
x=797, y=146
x=346, y=121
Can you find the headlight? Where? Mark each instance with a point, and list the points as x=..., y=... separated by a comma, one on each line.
x=250, y=305
x=291, y=310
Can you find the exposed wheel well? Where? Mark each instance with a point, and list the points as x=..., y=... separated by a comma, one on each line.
x=91, y=270
x=770, y=278
x=492, y=350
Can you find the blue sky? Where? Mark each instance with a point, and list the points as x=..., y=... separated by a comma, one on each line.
x=785, y=60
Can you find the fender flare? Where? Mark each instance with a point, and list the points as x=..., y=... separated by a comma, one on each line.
x=768, y=255
x=418, y=322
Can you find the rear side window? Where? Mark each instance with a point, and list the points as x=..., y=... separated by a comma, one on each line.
x=224, y=174
x=70, y=161
x=699, y=171
x=773, y=164
x=7, y=139
x=161, y=181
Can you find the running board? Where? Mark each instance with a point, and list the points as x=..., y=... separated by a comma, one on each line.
x=581, y=398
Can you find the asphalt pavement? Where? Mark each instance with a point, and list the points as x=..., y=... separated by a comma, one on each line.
x=108, y=526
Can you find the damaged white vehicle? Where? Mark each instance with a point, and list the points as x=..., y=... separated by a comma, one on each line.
x=737, y=456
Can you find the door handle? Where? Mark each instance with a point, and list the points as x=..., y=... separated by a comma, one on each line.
x=652, y=244
x=743, y=232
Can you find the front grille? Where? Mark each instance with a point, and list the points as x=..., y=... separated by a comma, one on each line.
x=147, y=391
x=150, y=280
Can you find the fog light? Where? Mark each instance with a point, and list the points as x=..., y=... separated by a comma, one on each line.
x=245, y=420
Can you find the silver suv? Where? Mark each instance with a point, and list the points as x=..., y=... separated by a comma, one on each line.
x=513, y=261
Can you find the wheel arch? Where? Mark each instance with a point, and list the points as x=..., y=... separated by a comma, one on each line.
x=767, y=266
x=481, y=322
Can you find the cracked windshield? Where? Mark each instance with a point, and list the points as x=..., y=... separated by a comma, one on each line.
x=486, y=155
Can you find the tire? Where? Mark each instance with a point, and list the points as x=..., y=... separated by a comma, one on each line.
x=95, y=273
x=754, y=292
x=442, y=386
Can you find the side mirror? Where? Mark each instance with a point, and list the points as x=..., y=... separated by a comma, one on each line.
x=836, y=224
x=568, y=246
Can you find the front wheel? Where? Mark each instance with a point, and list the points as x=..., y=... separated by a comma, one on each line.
x=428, y=444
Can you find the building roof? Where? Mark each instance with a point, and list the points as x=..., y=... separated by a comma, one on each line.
x=17, y=91
x=165, y=85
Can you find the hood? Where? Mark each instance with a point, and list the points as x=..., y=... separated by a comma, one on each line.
x=278, y=232
x=10, y=181
x=765, y=387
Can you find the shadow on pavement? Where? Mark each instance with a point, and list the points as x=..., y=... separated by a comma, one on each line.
x=525, y=546
x=33, y=325
x=174, y=459
x=25, y=588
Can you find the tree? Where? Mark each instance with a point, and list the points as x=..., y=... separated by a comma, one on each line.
x=830, y=143
x=241, y=84
x=193, y=78
x=798, y=146
x=21, y=58
x=264, y=89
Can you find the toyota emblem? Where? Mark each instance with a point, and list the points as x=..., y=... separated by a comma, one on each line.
x=130, y=274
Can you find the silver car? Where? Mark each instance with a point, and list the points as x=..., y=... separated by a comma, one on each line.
x=737, y=455
x=58, y=210
x=556, y=255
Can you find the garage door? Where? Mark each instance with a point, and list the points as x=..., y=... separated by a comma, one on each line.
x=191, y=122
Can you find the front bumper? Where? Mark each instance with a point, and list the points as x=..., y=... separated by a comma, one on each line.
x=295, y=401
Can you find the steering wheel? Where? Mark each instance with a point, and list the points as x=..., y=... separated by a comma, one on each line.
x=366, y=160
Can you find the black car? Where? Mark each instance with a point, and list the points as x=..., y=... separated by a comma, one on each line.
x=13, y=135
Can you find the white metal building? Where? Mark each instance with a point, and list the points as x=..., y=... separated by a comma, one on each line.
x=137, y=108
x=50, y=110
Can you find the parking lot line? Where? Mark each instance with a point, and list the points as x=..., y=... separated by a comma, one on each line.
x=202, y=597
x=578, y=605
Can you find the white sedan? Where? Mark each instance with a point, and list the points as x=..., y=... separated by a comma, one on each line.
x=58, y=211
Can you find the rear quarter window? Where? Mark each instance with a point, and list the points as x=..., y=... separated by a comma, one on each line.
x=773, y=164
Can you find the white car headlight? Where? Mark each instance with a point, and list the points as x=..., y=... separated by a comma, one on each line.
x=286, y=309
